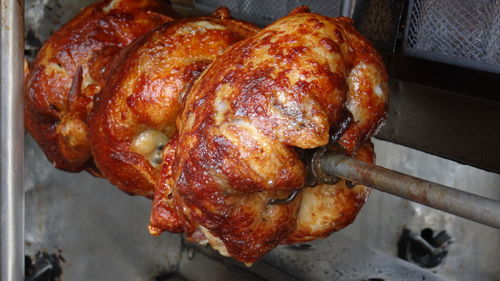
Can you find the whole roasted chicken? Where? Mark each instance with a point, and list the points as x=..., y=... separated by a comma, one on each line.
x=72, y=67
x=305, y=84
x=134, y=116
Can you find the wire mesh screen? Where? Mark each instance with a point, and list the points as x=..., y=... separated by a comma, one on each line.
x=460, y=32
x=264, y=12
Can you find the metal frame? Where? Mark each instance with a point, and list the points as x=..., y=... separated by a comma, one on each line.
x=443, y=109
x=435, y=57
x=12, y=145
x=458, y=127
x=318, y=260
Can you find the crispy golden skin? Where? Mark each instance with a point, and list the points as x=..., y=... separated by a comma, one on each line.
x=71, y=68
x=246, y=117
x=134, y=116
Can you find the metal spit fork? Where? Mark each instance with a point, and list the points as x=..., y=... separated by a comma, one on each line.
x=329, y=168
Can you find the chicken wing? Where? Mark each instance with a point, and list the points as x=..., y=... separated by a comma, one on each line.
x=71, y=68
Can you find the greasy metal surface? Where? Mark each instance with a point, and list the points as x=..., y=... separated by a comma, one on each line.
x=195, y=265
x=335, y=258
x=460, y=128
x=460, y=32
x=99, y=231
x=11, y=150
x=448, y=199
x=475, y=252
x=342, y=258
x=43, y=17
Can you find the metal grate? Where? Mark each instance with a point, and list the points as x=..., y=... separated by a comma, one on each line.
x=265, y=12
x=460, y=32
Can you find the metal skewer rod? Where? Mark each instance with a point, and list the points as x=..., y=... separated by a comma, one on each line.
x=12, y=141
x=467, y=205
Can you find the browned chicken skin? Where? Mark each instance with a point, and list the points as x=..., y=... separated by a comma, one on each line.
x=71, y=68
x=246, y=118
x=134, y=116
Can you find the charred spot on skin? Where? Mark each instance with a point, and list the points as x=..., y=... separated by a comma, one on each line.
x=330, y=45
x=339, y=36
x=338, y=130
x=317, y=24
x=54, y=108
x=222, y=13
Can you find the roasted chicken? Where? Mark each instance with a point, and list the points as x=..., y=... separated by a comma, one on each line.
x=133, y=117
x=71, y=68
x=221, y=122
x=248, y=119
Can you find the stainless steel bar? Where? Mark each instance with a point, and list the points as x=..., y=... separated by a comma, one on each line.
x=467, y=205
x=12, y=140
